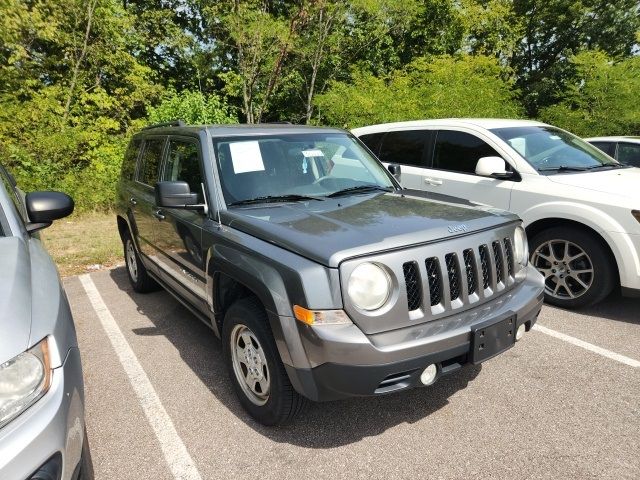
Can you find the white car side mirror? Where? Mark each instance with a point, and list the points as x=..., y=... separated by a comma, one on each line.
x=494, y=167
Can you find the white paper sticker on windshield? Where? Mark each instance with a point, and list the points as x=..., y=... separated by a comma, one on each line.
x=313, y=153
x=246, y=157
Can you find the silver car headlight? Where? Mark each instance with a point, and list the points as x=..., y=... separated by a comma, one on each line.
x=520, y=247
x=23, y=380
x=369, y=286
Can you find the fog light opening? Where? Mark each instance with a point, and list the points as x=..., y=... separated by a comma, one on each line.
x=520, y=332
x=429, y=374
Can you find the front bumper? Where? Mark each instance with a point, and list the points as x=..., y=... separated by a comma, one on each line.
x=345, y=362
x=50, y=432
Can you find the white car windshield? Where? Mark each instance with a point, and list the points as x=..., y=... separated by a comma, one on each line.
x=292, y=167
x=551, y=150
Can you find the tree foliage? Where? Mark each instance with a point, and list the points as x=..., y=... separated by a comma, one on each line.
x=77, y=77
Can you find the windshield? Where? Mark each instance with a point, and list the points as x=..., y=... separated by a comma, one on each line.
x=296, y=167
x=549, y=149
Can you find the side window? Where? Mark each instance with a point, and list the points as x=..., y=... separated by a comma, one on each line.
x=629, y=154
x=183, y=163
x=459, y=151
x=405, y=147
x=150, y=161
x=373, y=141
x=130, y=157
x=607, y=147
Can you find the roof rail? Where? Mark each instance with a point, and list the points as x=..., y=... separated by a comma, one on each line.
x=172, y=123
x=277, y=123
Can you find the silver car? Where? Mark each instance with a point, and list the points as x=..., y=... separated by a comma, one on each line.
x=41, y=388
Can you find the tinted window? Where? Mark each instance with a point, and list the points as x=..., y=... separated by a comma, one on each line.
x=150, y=161
x=607, y=147
x=130, y=157
x=405, y=147
x=373, y=141
x=183, y=163
x=459, y=151
x=629, y=154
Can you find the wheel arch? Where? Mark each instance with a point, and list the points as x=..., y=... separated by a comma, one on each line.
x=546, y=223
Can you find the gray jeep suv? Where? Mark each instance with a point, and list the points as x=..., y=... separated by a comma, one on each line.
x=322, y=276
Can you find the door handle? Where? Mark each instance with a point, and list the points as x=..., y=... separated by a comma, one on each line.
x=158, y=214
x=133, y=201
x=433, y=181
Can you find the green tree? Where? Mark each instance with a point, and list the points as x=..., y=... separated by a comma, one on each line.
x=194, y=108
x=602, y=98
x=429, y=87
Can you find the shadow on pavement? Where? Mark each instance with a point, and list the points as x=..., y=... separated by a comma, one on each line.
x=615, y=307
x=322, y=425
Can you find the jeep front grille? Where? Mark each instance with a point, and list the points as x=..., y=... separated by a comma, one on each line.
x=459, y=278
x=412, y=281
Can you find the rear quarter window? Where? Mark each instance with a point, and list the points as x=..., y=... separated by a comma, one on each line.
x=150, y=161
x=406, y=147
x=373, y=141
x=130, y=158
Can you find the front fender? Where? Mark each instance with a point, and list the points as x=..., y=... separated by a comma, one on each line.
x=280, y=279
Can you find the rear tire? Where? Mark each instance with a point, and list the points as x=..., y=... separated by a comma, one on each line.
x=256, y=371
x=578, y=269
x=138, y=275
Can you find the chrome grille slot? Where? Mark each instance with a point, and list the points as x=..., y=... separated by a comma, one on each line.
x=508, y=250
x=435, y=280
x=453, y=272
x=497, y=258
x=412, y=284
x=486, y=268
x=470, y=267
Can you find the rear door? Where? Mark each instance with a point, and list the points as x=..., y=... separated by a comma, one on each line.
x=452, y=169
x=179, y=231
x=411, y=150
x=143, y=196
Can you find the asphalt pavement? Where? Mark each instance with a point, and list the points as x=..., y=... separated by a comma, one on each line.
x=563, y=403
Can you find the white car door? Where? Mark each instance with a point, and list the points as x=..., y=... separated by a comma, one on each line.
x=452, y=169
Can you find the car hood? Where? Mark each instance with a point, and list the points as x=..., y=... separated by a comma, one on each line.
x=15, y=298
x=333, y=230
x=622, y=182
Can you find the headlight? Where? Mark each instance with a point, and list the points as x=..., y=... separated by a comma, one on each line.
x=520, y=246
x=23, y=380
x=369, y=286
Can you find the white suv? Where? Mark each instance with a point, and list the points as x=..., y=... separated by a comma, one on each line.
x=581, y=207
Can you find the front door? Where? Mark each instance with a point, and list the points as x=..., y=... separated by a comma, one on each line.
x=452, y=170
x=142, y=195
x=179, y=231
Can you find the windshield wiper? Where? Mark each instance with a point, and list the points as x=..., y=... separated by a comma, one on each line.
x=563, y=168
x=275, y=198
x=360, y=189
x=607, y=165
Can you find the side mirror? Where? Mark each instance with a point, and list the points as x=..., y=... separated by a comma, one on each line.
x=45, y=207
x=176, y=195
x=395, y=170
x=494, y=167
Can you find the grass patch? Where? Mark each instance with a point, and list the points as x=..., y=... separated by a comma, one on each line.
x=84, y=242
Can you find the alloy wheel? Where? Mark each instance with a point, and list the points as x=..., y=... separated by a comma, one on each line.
x=132, y=261
x=567, y=269
x=250, y=365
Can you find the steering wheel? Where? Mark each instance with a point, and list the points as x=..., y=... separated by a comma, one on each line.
x=321, y=179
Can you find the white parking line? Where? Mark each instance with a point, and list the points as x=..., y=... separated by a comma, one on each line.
x=175, y=453
x=588, y=346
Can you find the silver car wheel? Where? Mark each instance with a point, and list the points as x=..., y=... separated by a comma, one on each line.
x=250, y=365
x=567, y=269
x=132, y=261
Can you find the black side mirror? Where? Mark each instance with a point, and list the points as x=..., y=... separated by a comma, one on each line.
x=395, y=170
x=45, y=207
x=176, y=195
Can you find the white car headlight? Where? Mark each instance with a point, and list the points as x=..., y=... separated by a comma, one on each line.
x=520, y=247
x=369, y=286
x=23, y=380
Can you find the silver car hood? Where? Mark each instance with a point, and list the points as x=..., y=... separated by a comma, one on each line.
x=15, y=297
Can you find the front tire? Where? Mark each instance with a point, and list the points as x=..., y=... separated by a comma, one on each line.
x=258, y=376
x=578, y=270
